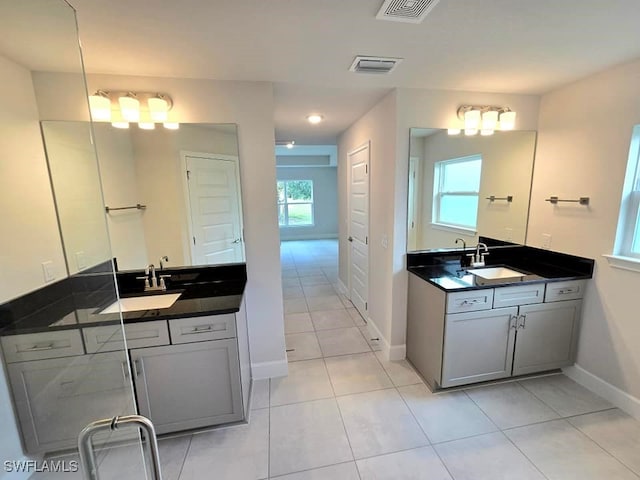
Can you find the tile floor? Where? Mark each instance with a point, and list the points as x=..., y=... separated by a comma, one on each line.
x=345, y=413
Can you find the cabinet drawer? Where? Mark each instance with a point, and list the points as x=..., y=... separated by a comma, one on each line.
x=470, y=301
x=518, y=295
x=141, y=334
x=38, y=346
x=569, y=290
x=200, y=329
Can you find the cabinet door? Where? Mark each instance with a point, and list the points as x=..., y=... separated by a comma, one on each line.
x=56, y=398
x=188, y=386
x=478, y=346
x=546, y=336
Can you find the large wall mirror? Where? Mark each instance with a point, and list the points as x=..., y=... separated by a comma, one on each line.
x=462, y=186
x=171, y=197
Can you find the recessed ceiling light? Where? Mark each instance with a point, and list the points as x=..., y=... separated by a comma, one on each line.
x=315, y=118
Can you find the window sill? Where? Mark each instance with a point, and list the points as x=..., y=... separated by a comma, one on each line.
x=623, y=263
x=450, y=228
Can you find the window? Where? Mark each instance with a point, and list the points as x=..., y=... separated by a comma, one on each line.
x=628, y=235
x=295, y=203
x=455, y=192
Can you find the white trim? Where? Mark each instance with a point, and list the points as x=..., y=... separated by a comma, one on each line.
x=623, y=263
x=393, y=353
x=450, y=228
x=275, y=369
x=613, y=394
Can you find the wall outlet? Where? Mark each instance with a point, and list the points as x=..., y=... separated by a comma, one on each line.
x=508, y=234
x=546, y=241
x=81, y=260
x=49, y=271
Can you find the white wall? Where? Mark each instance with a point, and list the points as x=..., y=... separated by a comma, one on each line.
x=30, y=231
x=389, y=172
x=325, y=202
x=250, y=105
x=583, y=144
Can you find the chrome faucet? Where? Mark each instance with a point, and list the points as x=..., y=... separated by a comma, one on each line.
x=477, y=260
x=162, y=260
x=464, y=260
x=151, y=269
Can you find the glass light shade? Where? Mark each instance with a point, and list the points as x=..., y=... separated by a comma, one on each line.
x=507, y=120
x=158, y=108
x=470, y=131
x=472, y=120
x=117, y=121
x=314, y=119
x=454, y=131
x=171, y=125
x=129, y=108
x=147, y=125
x=100, y=107
x=486, y=132
x=489, y=120
x=120, y=124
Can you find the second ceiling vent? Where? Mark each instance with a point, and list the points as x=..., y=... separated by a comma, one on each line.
x=410, y=11
x=364, y=64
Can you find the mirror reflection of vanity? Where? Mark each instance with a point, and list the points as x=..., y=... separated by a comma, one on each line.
x=171, y=194
x=466, y=187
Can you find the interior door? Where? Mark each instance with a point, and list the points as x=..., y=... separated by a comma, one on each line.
x=359, y=228
x=214, y=209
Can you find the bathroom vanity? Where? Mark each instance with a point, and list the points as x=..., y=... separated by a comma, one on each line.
x=189, y=361
x=463, y=328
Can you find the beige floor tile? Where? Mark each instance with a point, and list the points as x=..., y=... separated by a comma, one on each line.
x=360, y=322
x=298, y=323
x=326, y=320
x=318, y=290
x=417, y=464
x=307, y=380
x=342, y=341
x=314, y=280
x=357, y=373
x=323, y=303
x=302, y=346
x=260, y=394
x=295, y=305
x=400, y=371
x=342, y=471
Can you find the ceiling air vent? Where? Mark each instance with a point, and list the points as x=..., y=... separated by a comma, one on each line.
x=411, y=11
x=363, y=64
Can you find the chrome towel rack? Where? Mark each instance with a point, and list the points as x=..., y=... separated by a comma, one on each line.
x=555, y=200
x=137, y=206
x=493, y=198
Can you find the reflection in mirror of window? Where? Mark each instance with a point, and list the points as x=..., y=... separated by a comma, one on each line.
x=295, y=203
x=628, y=234
x=456, y=190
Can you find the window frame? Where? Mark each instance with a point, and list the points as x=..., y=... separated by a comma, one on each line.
x=439, y=193
x=629, y=217
x=286, y=204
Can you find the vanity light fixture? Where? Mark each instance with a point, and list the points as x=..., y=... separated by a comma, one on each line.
x=314, y=118
x=485, y=119
x=121, y=108
x=286, y=143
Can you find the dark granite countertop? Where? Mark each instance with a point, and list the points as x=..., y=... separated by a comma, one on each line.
x=203, y=291
x=442, y=267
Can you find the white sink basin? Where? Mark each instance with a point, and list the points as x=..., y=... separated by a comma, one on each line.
x=148, y=302
x=485, y=276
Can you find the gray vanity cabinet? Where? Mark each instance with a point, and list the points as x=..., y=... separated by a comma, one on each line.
x=189, y=385
x=547, y=335
x=51, y=396
x=478, y=346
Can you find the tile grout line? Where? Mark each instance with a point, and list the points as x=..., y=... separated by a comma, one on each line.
x=186, y=455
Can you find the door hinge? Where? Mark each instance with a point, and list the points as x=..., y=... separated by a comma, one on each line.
x=413, y=225
x=366, y=306
x=188, y=175
x=366, y=240
x=194, y=240
x=366, y=169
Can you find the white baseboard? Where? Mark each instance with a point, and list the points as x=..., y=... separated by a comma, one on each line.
x=390, y=352
x=343, y=288
x=278, y=368
x=310, y=236
x=613, y=394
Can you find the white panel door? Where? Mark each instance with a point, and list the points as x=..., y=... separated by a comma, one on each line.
x=214, y=204
x=359, y=228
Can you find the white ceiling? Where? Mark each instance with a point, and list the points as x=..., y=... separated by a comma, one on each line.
x=306, y=47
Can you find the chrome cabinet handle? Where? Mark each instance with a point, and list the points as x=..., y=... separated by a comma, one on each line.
x=125, y=372
x=205, y=328
x=470, y=302
x=350, y=238
x=513, y=322
x=37, y=348
x=523, y=324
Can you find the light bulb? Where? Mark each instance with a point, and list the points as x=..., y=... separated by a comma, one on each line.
x=472, y=120
x=158, y=108
x=100, y=107
x=470, y=131
x=507, y=120
x=486, y=132
x=171, y=125
x=315, y=119
x=489, y=120
x=130, y=108
x=454, y=131
x=147, y=125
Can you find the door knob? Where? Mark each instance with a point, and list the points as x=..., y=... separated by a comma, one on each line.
x=350, y=239
x=237, y=240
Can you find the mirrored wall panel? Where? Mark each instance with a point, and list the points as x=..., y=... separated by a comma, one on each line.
x=171, y=197
x=466, y=187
